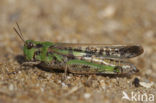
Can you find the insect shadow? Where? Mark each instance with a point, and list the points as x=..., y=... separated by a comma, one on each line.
x=106, y=75
x=21, y=59
x=115, y=75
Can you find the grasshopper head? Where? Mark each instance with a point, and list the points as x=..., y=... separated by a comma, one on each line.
x=33, y=50
x=29, y=49
x=29, y=45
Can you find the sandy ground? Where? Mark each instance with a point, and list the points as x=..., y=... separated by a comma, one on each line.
x=75, y=21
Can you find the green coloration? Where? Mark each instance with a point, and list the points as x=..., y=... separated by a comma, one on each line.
x=44, y=50
x=66, y=52
x=38, y=57
x=48, y=58
x=100, y=67
x=29, y=52
x=63, y=52
x=44, y=53
x=58, y=57
x=79, y=53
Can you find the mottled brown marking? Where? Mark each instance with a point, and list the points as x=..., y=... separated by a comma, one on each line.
x=131, y=51
x=95, y=50
x=107, y=52
x=101, y=51
x=87, y=49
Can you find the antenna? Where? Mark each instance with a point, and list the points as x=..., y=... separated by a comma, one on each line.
x=19, y=33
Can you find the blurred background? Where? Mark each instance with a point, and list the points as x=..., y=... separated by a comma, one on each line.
x=74, y=21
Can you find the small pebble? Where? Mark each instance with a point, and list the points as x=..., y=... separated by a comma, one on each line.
x=87, y=95
x=64, y=85
x=146, y=85
x=11, y=87
x=103, y=85
x=136, y=82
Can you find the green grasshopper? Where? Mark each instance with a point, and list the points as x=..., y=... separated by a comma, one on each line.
x=80, y=58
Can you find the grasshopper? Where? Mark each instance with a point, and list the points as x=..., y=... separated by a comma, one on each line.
x=80, y=58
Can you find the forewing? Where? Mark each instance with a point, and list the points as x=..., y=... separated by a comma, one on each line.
x=97, y=50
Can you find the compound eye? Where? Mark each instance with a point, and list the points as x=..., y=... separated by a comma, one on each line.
x=29, y=45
